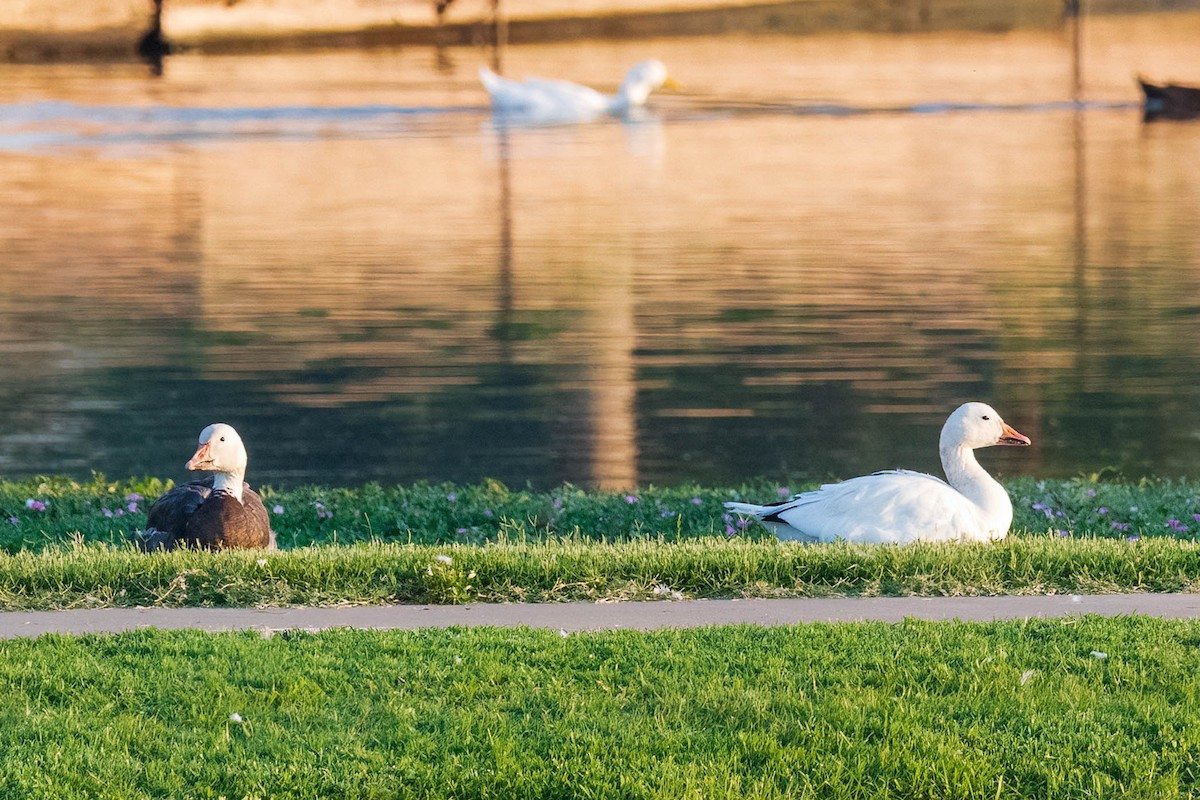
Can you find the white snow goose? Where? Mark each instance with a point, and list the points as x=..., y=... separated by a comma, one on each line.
x=900, y=506
x=217, y=513
x=546, y=100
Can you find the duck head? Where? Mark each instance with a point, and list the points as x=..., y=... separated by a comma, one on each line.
x=642, y=79
x=975, y=425
x=221, y=452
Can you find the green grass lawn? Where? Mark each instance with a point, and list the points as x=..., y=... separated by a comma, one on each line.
x=66, y=544
x=586, y=570
x=46, y=512
x=871, y=710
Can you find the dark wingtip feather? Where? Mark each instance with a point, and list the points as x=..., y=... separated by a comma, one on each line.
x=150, y=540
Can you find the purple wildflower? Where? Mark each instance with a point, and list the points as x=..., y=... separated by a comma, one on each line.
x=461, y=531
x=278, y=509
x=1196, y=517
x=133, y=497
x=729, y=531
x=1045, y=509
x=107, y=512
x=784, y=491
x=133, y=507
x=487, y=512
x=1064, y=533
x=452, y=497
x=14, y=520
x=1120, y=526
x=1101, y=510
x=557, y=504
x=36, y=505
x=727, y=518
x=696, y=501
x=1176, y=525
x=743, y=523
x=666, y=512
x=1132, y=538
x=631, y=499
x=1091, y=492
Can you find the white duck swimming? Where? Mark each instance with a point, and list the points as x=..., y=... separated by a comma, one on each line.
x=556, y=100
x=900, y=506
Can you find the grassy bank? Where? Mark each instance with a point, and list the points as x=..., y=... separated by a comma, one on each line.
x=52, y=512
x=581, y=570
x=67, y=545
x=1091, y=708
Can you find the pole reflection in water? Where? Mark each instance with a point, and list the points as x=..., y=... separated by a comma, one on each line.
x=374, y=281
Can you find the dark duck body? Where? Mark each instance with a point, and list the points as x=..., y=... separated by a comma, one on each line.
x=1171, y=101
x=218, y=513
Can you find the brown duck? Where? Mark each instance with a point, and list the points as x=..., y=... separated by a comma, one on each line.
x=217, y=513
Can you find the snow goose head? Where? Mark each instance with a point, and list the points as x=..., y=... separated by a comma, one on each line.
x=221, y=452
x=975, y=425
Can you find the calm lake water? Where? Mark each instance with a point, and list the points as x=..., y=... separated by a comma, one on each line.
x=797, y=265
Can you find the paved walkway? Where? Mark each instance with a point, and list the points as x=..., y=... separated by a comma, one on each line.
x=598, y=616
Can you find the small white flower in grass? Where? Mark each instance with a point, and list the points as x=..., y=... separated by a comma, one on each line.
x=262, y=562
x=445, y=559
x=458, y=659
x=1027, y=676
x=563, y=633
x=235, y=717
x=1099, y=656
x=277, y=510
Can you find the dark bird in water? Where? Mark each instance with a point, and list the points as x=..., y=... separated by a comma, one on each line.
x=217, y=513
x=1170, y=102
x=152, y=47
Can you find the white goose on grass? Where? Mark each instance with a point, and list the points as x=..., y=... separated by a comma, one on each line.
x=557, y=100
x=901, y=506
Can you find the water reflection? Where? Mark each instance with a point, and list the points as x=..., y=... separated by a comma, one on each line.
x=374, y=282
x=152, y=47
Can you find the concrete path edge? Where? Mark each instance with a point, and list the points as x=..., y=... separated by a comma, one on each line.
x=573, y=617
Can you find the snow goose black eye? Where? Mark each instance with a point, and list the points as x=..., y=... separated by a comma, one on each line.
x=223, y=438
x=985, y=416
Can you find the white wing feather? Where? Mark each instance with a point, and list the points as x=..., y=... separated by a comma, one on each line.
x=892, y=507
x=542, y=97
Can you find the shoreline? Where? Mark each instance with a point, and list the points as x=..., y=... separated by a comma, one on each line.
x=91, y=31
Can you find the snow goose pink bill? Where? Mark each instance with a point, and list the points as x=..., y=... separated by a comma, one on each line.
x=900, y=506
x=217, y=513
